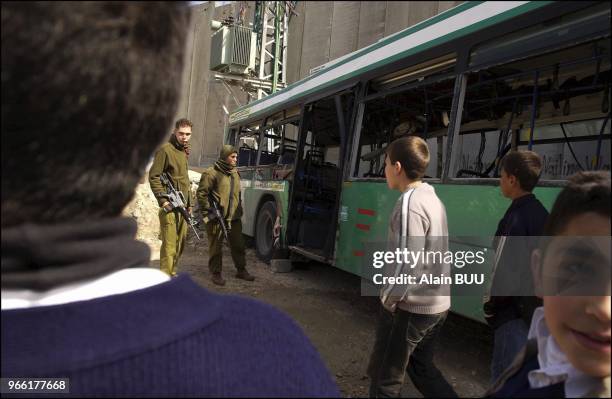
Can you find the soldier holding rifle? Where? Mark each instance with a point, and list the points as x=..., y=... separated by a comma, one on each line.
x=220, y=202
x=171, y=161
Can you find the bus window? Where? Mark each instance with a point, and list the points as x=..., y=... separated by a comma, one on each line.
x=437, y=149
x=556, y=104
x=232, y=136
x=279, y=144
x=563, y=157
x=248, y=145
x=270, y=146
x=421, y=109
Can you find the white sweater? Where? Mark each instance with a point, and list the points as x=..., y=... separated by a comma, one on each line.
x=425, y=230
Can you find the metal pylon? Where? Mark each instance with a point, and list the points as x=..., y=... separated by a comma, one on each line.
x=271, y=23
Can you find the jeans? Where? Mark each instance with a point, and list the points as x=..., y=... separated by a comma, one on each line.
x=509, y=339
x=405, y=343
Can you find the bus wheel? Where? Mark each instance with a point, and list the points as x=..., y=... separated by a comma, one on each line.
x=263, y=231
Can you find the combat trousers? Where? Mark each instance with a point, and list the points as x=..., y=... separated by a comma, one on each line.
x=173, y=235
x=215, y=243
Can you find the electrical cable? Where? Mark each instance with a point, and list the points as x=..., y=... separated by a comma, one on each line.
x=570, y=147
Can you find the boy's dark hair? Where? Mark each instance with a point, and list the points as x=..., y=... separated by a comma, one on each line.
x=526, y=166
x=89, y=91
x=182, y=123
x=585, y=192
x=412, y=153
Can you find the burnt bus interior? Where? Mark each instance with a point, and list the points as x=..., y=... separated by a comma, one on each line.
x=414, y=101
x=309, y=158
x=556, y=103
x=551, y=95
x=314, y=199
x=272, y=144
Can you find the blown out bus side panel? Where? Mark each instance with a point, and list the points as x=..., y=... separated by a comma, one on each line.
x=472, y=211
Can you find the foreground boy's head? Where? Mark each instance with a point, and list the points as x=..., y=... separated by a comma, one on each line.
x=520, y=172
x=406, y=161
x=579, y=324
x=89, y=91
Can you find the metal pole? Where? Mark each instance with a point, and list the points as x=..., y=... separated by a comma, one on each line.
x=598, y=153
x=454, y=126
x=533, y=109
x=262, y=50
x=283, y=78
x=276, y=58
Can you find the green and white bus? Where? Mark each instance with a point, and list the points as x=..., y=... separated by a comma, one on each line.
x=475, y=81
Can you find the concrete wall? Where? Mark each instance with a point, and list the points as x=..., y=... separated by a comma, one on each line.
x=193, y=104
x=203, y=98
x=322, y=31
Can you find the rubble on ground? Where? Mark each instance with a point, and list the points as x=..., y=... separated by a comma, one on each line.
x=144, y=209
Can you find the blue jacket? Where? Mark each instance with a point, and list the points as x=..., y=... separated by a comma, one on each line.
x=526, y=216
x=174, y=338
x=514, y=383
x=512, y=288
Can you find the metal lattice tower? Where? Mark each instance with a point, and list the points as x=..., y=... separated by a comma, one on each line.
x=271, y=24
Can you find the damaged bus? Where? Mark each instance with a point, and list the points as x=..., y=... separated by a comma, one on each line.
x=475, y=82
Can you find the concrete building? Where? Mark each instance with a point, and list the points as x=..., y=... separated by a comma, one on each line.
x=322, y=31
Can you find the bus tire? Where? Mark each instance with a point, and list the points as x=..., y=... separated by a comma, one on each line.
x=263, y=231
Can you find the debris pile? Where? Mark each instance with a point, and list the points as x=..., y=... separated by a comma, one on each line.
x=145, y=210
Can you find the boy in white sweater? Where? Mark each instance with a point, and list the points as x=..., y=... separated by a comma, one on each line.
x=411, y=317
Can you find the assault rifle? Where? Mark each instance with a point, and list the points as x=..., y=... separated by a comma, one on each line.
x=177, y=200
x=217, y=214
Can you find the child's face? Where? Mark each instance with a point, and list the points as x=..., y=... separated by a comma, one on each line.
x=392, y=174
x=581, y=324
x=507, y=183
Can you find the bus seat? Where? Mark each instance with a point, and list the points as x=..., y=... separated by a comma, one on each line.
x=287, y=157
x=268, y=158
x=246, y=156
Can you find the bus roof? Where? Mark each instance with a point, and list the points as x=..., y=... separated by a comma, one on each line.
x=464, y=19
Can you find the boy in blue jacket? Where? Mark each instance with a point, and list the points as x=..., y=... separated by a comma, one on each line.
x=512, y=302
x=568, y=352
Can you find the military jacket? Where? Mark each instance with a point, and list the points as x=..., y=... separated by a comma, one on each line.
x=173, y=161
x=224, y=188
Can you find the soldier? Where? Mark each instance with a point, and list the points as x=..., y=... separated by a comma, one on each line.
x=172, y=159
x=222, y=183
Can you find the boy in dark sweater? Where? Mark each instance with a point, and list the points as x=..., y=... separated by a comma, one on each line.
x=88, y=93
x=511, y=305
x=568, y=352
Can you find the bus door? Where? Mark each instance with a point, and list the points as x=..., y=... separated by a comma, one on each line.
x=315, y=195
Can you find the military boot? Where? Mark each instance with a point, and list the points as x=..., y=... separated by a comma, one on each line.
x=244, y=275
x=217, y=278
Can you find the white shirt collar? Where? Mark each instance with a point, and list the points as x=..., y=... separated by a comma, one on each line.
x=554, y=365
x=119, y=282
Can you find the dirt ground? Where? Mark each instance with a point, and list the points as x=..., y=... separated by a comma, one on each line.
x=327, y=304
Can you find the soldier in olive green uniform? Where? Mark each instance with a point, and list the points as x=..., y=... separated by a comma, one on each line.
x=172, y=159
x=222, y=182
